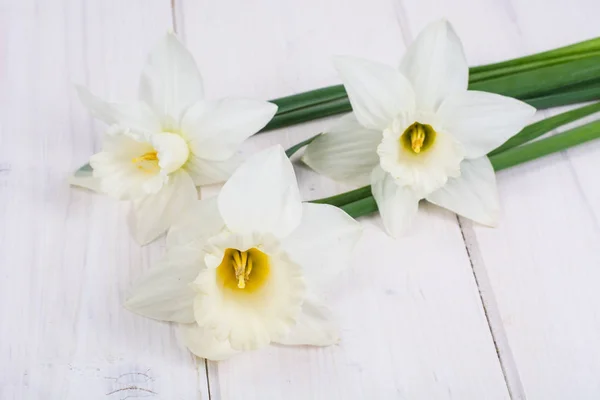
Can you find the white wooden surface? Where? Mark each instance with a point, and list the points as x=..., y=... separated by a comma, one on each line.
x=453, y=311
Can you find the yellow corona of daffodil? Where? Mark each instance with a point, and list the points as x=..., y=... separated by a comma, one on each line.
x=243, y=270
x=158, y=149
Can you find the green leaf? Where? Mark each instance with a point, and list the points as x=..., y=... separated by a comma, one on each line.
x=542, y=81
x=84, y=170
x=345, y=198
x=553, y=144
x=292, y=150
x=556, y=86
x=544, y=126
x=538, y=79
x=551, y=57
x=587, y=91
x=361, y=207
x=309, y=113
x=313, y=97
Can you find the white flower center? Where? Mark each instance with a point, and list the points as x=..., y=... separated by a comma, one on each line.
x=418, y=154
x=250, y=292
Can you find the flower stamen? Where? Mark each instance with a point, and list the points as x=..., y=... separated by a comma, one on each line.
x=242, y=266
x=147, y=162
x=150, y=156
x=243, y=271
x=418, y=137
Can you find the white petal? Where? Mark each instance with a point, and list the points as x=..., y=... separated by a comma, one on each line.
x=323, y=242
x=208, y=172
x=165, y=292
x=483, y=121
x=216, y=129
x=170, y=81
x=152, y=215
x=316, y=325
x=203, y=343
x=197, y=223
x=474, y=195
x=377, y=91
x=262, y=195
x=436, y=66
x=397, y=205
x=172, y=151
x=136, y=117
x=347, y=152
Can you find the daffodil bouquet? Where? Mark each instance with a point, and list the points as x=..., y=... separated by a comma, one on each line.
x=245, y=268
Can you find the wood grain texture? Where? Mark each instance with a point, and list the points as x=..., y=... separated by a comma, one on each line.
x=538, y=271
x=543, y=261
x=66, y=257
x=412, y=320
x=413, y=325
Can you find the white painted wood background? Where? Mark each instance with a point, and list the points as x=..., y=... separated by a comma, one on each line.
x=453, y=311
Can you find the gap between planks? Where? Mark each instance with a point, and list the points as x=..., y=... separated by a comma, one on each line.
x=491, y=311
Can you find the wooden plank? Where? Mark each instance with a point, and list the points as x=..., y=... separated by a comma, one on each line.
x=537, y=271
x=66, y=257
x=413, y=325
x=542, y=263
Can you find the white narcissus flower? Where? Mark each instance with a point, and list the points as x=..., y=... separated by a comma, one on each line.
x=416, y=132
x=158, y=149
x=242, y=269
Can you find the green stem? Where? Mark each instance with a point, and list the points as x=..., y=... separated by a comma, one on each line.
x=482, y=76
x=585, y=47
x=301, y=100
x=563, y=64
x=559, y=85
x=542, y=81
x=292, y=150
x=310, y=113
x=544, y=126
x=540, y=148
x=588, y=91
x=345, y=198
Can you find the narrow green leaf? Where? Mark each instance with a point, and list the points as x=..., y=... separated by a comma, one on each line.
x=345, y=198
x=310, y=113
x=315, y=104
x=542, y=81
x=539, y=128
x=485, y=75
x=84, y=170
x=292, y=150
x=313, y=97
x=564, y=84
x=476, y=74
x=587, y=91
x=361, y=207
x=553, y=144
x=581, y=48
